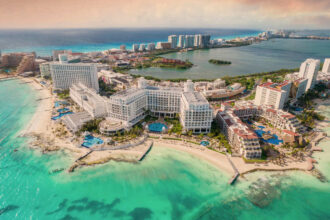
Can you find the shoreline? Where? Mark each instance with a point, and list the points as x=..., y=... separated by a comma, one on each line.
x=40, y=127
x=216, y=159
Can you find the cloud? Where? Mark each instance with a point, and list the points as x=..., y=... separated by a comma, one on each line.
x=169, y=13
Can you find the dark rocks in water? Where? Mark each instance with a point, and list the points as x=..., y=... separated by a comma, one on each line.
x=15, y=150
x=264, y=191
x=69, y=217
x=319, y=175
x=141, y=213
x=56, y=170
x=8, y=208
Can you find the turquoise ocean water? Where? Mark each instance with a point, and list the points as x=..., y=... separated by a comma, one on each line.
x=86, y=40
x=166, y=185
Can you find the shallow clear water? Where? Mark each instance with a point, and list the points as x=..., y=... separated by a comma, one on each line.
x=166, y=185
x=262, y=57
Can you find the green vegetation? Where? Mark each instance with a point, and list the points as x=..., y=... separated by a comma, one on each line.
x=305, y=100
x=156, y=61
x=136, y=131
x=261, y=160
x=219, y=62
x=247, y=80
x=239, y=44
x=105, y=89
x=64, y=94
x=177, y=127
x=170, y=138
x=186, y=65
x=149, y=118
x=216, y=134
x=92, y=126
x=156, y=53
x=121, y=69
x=308, y=115
x=295, y=145
x=251, y=96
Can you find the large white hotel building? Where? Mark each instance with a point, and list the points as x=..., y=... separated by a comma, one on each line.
x=65, y=74
x=131, y=105
x=274, y=94
x=309, y=70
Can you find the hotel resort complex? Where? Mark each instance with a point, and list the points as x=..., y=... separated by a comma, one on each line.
x=95, y=90
x=130, y=106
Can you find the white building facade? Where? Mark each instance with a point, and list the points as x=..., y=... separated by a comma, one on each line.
x=173, y=39
x=273, y=94
x=181, y=41
x=326, y=66
x=88, y=100
x=64, y=75
x=309, y=70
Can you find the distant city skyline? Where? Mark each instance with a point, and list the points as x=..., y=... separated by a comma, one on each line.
x=259, y=14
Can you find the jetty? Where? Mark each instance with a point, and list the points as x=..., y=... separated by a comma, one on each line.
x=236, y=175
x=85, y=155
x=147, y=151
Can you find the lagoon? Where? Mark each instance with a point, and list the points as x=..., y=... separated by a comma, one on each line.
x=266, y=56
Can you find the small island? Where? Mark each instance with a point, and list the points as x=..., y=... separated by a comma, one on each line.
x=164, y=63
x=219, y=62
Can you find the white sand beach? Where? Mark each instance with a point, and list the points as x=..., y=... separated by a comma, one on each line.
x=219, y=160
x=40, y=122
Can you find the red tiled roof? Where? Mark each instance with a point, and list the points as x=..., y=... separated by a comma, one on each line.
x=288, y=116
x=291, y=133
x=228, y=122
x=266, y=84
x=271, y=110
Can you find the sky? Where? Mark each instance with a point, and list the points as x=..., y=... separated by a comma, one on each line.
x=262, y=14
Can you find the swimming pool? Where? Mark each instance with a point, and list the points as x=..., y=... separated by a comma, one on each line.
x=205, y=143
x=274, y=140
x=61, y=110
x=61, y=115
x=90, y=141
x=58, y=103
x=157, y=127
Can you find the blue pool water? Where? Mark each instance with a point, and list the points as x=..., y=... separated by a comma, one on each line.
x=274, y=140
x=298, y=109
x=262, y=127
x=58, y=103
x=61, y=115
x=90, y=141
x=205, y=143
x=61, y=110
x=157, y=127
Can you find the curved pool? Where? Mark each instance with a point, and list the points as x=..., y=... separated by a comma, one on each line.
x=205, y=143
x=157, y=127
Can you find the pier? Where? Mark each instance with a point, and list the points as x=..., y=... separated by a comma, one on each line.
x=85, y=155
x=147, y=151
x=236, y=175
